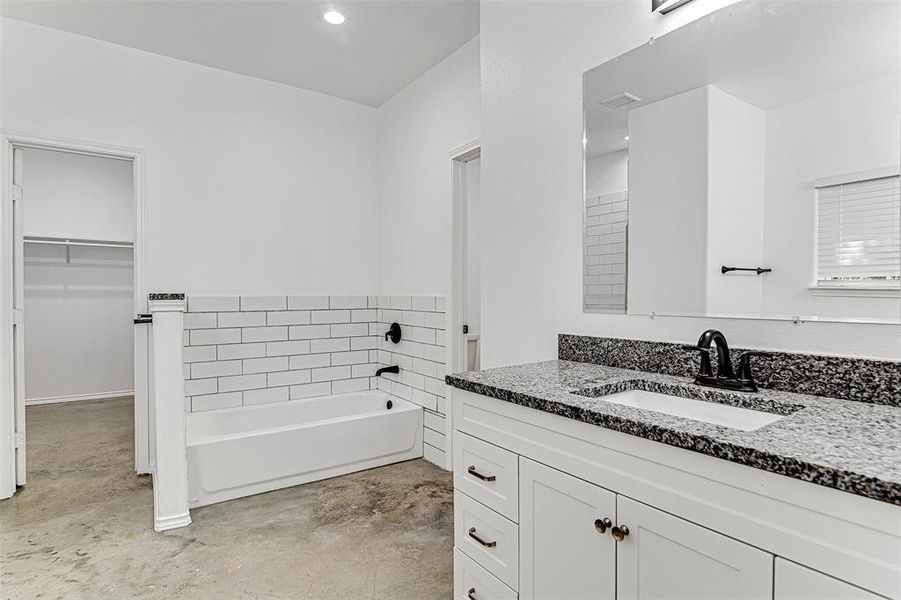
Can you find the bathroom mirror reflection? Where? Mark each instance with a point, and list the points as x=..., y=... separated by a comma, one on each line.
x=748, y=165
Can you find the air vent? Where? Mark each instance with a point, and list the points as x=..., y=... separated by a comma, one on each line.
x=620, y=100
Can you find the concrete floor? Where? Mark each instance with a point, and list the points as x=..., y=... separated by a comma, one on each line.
x=82, y=527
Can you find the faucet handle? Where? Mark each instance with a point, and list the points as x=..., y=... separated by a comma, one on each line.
x=695, y=348
x=393, y=333
x=744, y=364
x=706, y=370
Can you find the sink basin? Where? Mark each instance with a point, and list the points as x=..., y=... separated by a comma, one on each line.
x=698, y=410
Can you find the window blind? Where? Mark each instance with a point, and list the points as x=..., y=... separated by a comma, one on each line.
x=859, y=233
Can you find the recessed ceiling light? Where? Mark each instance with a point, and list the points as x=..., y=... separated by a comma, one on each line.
x=333, y=17
x=626, y=138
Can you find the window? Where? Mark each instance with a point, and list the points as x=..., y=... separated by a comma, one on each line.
x=859, y=234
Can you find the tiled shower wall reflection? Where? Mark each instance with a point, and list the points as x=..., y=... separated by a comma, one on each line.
x=604, y=249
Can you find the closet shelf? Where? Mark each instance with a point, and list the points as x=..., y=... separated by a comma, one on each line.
x=69, y=242
x=57, y=241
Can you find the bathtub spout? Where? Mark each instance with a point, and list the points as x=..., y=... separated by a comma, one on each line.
x=395, y=369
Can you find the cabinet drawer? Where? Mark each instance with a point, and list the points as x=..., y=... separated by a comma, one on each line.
x=473, y=582
x=794, y=582
x=489, y=538
x=487, y=473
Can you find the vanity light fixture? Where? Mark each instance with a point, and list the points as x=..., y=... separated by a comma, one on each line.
x=333, y=17
x=664, y=6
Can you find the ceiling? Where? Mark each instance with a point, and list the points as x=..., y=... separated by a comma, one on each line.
x=383, y=46
x=767, y=53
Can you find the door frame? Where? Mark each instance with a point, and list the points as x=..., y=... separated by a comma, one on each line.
x=8, y=141
x=456, y=346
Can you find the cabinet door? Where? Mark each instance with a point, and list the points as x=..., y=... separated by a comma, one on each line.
x=563, y=553
x=663, y=556
x=794, y=582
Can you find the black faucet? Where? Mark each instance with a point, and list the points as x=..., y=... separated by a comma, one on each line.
x=725, y=377
x=395, y=369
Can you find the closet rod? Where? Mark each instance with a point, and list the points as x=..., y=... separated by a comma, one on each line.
x=30, y=239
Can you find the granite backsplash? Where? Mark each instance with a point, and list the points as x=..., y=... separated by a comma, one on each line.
x=863, y=380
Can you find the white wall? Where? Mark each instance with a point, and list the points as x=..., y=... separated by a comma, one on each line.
x=696, y=204
x=834, y=134
x=607, y=173
x=668, y=174
x=417, y=129
x=252, y=187
x=735, y=203
x=532, y=187
x=76, y=195
x=78, y=314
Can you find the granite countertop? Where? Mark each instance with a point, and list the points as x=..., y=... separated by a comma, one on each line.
x=850, y=446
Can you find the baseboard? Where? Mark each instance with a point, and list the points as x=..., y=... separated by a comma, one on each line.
x=173, y=522
x=78, y=397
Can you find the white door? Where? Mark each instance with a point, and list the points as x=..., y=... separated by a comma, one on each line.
x=565, y=547
x=18, y=312
x=665, y=557
x=794, y=582
x=143, y=409
x=143, y=406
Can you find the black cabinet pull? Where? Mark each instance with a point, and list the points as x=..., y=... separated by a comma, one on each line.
x=472, y=471
x=143, y=318
x=472, y=534
x=471, y=594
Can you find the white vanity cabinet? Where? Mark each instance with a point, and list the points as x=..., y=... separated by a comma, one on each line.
x=551, y=508
x=567, y=548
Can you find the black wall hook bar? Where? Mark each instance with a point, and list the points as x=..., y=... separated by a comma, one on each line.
x=758, y=270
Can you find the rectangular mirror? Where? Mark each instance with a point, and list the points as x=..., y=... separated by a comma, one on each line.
x=747, y=165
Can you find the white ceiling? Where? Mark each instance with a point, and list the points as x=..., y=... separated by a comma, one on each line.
x=766, y=52
x=383, y=46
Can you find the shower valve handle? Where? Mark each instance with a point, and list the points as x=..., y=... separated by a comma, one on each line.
x=393, y=333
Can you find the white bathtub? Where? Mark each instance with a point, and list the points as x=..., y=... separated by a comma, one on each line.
x=247, y=450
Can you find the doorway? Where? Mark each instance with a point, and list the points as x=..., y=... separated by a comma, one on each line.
x=72, y=257
x=464, y=302
x=472, y=277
